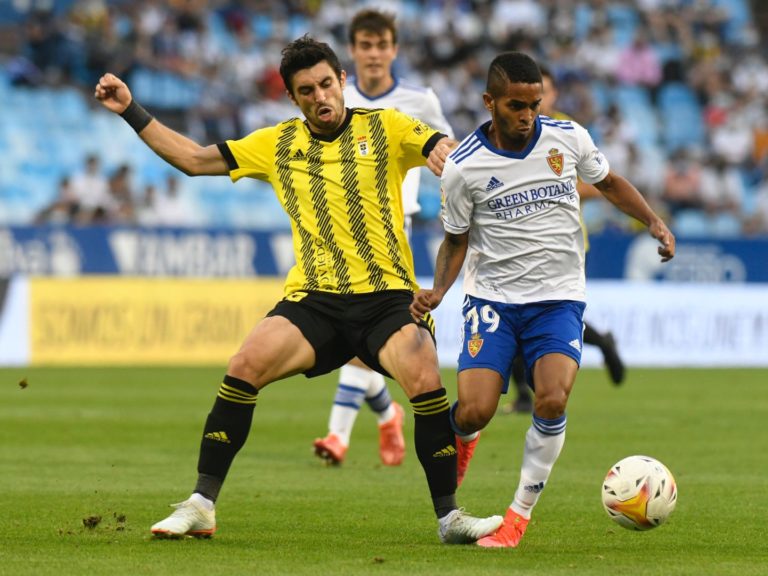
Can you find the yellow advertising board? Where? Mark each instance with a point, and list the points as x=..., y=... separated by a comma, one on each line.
x=119, y=320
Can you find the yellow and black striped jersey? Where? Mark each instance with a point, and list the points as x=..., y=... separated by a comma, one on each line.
x=342, y=193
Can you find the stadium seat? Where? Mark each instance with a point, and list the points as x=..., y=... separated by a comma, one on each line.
x=691, y=223
x=725, y=226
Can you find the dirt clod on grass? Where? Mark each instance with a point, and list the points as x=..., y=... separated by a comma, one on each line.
x=91, y=521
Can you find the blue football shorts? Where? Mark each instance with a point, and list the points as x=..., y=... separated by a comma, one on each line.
x=494, y=333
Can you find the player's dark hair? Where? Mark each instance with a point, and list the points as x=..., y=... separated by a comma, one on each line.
x=304, y=53
x=514, y=67
x=372, y=21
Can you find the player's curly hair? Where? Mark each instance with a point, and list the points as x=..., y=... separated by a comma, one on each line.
x=304, y=53
x=511, y=67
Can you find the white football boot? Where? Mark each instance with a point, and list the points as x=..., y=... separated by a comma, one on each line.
x=196, y=517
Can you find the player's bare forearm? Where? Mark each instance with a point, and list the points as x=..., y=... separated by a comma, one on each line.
x=622, y=194
x=182, y=152
x=450, y=258
x=174, y=148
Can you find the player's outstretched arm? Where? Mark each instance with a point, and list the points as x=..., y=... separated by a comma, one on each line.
x=628, y=199
x=450, y=258
x=176, y=149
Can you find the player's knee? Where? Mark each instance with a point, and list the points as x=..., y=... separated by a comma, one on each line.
x=248, y=369
x=550, y=404
x=473, y=417
x=425, y=380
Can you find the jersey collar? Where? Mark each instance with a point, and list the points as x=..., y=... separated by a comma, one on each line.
x=334, y=135
x=395, y=84
x=482, y=134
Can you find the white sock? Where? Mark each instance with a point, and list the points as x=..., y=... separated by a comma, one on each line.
x=467, y=438
x=541, y=452
x=377, y=385
x=353, y=382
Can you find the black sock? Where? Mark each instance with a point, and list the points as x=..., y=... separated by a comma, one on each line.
x=592, y=336
x=225, y=432
x=435, y=445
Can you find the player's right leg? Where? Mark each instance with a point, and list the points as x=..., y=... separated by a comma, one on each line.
x=274, y=349
x=479, y=390
x=485, y=360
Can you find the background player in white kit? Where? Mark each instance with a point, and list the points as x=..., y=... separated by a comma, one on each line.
x=373, y=48
x=511, y=208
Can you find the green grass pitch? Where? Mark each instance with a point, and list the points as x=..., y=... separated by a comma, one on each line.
x=121, y=444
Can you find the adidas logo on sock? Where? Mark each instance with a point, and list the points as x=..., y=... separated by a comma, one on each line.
x=447, y=451
x=576, y=344
x=493, y=183
x=218, y=436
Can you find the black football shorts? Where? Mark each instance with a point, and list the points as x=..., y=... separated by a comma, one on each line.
x=342, y=326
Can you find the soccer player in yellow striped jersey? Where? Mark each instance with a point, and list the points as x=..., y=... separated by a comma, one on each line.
x=373, y=47
x=337, y=174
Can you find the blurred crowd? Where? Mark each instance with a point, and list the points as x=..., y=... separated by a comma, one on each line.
x=675, y=92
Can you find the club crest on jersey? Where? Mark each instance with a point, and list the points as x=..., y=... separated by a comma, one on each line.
x=474, y=344
x=555, y=161
x=362, y=145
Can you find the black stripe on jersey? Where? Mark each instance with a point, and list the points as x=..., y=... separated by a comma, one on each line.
x=324, y=227
x=357, y=221
x=285, y=175
x=381, y=153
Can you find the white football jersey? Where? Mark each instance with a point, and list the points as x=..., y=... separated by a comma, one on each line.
x=522, y=210
x=416, y=101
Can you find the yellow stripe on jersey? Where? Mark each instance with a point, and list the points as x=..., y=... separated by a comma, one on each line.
x=343, y=196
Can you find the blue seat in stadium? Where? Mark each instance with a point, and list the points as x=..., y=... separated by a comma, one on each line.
x=725, y=226
x=681, y=118
x=739, y=15
x=691, y=223
x=623, y=20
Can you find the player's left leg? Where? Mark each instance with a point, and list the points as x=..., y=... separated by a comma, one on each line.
x=554, y=341
x=406, y=351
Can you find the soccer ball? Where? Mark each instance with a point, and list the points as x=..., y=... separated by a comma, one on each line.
x=639, y=493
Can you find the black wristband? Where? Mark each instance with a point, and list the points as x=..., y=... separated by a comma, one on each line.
x=136, y=116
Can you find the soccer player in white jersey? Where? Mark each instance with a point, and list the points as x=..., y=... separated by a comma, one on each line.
x=373, y=48
x=511, y=210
